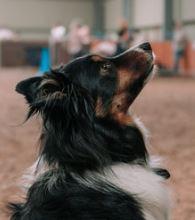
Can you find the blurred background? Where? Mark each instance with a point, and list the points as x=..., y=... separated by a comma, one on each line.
x=36, y=35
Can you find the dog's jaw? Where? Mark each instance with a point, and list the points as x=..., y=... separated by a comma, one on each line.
x=134, y=68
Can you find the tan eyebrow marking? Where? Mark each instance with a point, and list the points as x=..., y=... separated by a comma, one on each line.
x=97, y=58
x=99, y=108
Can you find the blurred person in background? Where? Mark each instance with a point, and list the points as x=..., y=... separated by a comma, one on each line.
x=123, y=40
x=6, y=33
x=125, y=37
x=78, y=39
x=56, y=40
x=179, y=45
x=139, y=37
x=105, y=48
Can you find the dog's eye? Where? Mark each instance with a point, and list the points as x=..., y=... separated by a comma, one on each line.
x=105, y=68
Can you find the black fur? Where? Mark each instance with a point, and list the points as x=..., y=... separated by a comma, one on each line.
x=69, y=200
x=84, y=130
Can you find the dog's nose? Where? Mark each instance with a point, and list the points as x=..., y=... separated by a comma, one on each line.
x=146, y=47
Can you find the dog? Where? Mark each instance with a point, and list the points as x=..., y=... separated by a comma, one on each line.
x=93, y=163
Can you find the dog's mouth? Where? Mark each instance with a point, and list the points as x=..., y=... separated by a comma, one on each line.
x=151, y=69
x=151, y=73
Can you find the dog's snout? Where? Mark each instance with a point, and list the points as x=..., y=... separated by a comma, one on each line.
x=146, y=47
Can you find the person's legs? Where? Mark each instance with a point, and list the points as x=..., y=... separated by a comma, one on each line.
x=176, y=62
x=177, y=57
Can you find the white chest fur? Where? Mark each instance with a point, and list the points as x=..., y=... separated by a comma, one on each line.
x=148, y=187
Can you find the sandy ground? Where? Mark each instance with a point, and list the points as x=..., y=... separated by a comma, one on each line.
x=167, y=108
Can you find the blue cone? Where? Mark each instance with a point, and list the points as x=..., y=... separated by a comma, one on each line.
x=44, y=61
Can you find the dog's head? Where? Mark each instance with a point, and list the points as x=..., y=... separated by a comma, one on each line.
x=72, y=99
x=91, y=86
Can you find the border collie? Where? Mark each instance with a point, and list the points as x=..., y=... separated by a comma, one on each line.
x=93, y=162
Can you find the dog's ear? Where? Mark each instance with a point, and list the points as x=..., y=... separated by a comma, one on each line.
x=54, y=96
x=28, y=88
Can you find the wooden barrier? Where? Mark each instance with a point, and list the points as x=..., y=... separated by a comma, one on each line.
x=26, y=53
x=164, y=56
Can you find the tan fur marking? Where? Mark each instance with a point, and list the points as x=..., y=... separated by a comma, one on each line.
x=119, y=108
x=123, y=119
x=49, y=81
x=97, y=58
x=125, y=78
x=58, y=95
x=130, y=69
x=55, y=95
x=99, y=109
x=119, y=103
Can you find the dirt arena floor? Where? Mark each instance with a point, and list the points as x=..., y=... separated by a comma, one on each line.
x=167, y=108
